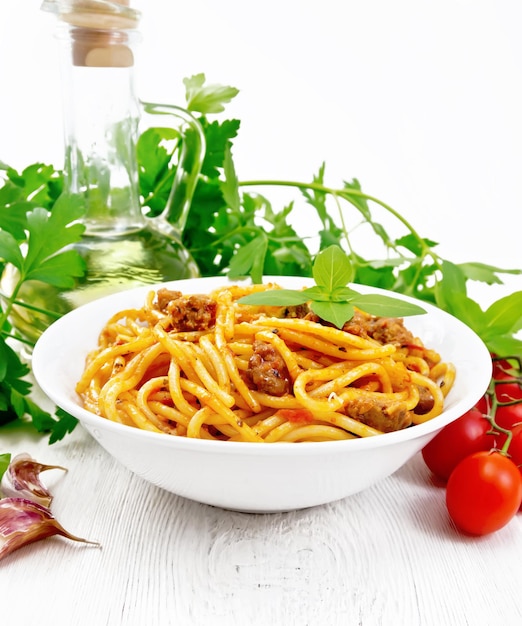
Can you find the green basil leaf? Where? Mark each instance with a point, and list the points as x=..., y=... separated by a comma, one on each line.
x=275, y=297
x=503, y=344
x=342, y=294
x=485, y=273
x=332, y=268
x=453, y=283
x=335, y=313
x=413, y=244
x=386, y=306
x=505, y=315
x=317, y=293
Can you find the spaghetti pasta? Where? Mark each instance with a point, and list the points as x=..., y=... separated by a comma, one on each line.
x=206, y=366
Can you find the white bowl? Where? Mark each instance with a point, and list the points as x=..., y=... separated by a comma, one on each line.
x=247, y=476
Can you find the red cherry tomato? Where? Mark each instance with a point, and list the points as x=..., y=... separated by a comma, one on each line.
x=483, y=405
x=502, y=368
x=484, y=492
x=509, y=416
x=515, y=449
x=464, y=436
x=506, y=392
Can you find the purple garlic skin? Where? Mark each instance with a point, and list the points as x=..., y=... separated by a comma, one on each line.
x=22, y=479
x=24, y=521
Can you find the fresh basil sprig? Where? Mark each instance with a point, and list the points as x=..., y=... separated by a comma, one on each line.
x=330, y=298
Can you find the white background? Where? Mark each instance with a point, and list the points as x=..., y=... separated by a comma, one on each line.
x=420, y=100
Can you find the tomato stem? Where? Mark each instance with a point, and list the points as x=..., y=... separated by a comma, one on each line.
x=504, y=431
x=492, y=410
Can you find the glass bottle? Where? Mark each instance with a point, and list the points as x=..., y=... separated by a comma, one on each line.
x=102, y=116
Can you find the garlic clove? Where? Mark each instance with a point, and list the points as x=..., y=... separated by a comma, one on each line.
x=22, y=479
x=24, y=521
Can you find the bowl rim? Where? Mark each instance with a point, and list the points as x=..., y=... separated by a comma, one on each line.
x=92, y=421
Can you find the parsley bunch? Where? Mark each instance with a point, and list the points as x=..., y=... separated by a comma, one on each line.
x=235, y=230
x=33, y=242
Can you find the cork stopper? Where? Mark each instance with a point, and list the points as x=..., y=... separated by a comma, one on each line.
x=100, y=30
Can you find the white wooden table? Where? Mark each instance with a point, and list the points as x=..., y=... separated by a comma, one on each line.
x=387, y=556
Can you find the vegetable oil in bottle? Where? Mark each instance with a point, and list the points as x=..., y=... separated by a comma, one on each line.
x=102, y=114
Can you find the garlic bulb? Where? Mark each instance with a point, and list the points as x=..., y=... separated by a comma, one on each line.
x=22, y=479
x=23, y=521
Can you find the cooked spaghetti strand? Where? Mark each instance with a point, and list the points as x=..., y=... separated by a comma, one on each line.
x=206, y=366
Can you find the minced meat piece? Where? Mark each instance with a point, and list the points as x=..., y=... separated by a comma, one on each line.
x=382, y=329
x=425, y=403
x=383, y=415
x=267, y=370
x=360, y=324
x=297, y=311
x=187, y=313
x=392, y=330
x=164, y=296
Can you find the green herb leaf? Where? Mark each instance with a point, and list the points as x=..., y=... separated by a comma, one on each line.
x=155, y=177
x=218, y=136
x=5, y=459
x=505, y=315
x=342, y=294
x=486, y=273
x=330, y=298
x=61, y=426
x=276, y=297
x=13, y=219
x=413, y=244
x=59, y=270
x=12, y=369
x=51, y=232
x=332, y=268
x=386, y=306
x=229, y=187
x=337, y=313
x=10, y=250
x=452, y=286
x=318, y=293
x=504, y=345
x=249, y=260
x=207, y=98
x=15, y=389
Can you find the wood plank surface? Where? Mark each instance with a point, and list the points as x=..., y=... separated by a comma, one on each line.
x=384, y=557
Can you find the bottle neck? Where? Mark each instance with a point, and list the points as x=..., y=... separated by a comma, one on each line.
x=101, y=114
